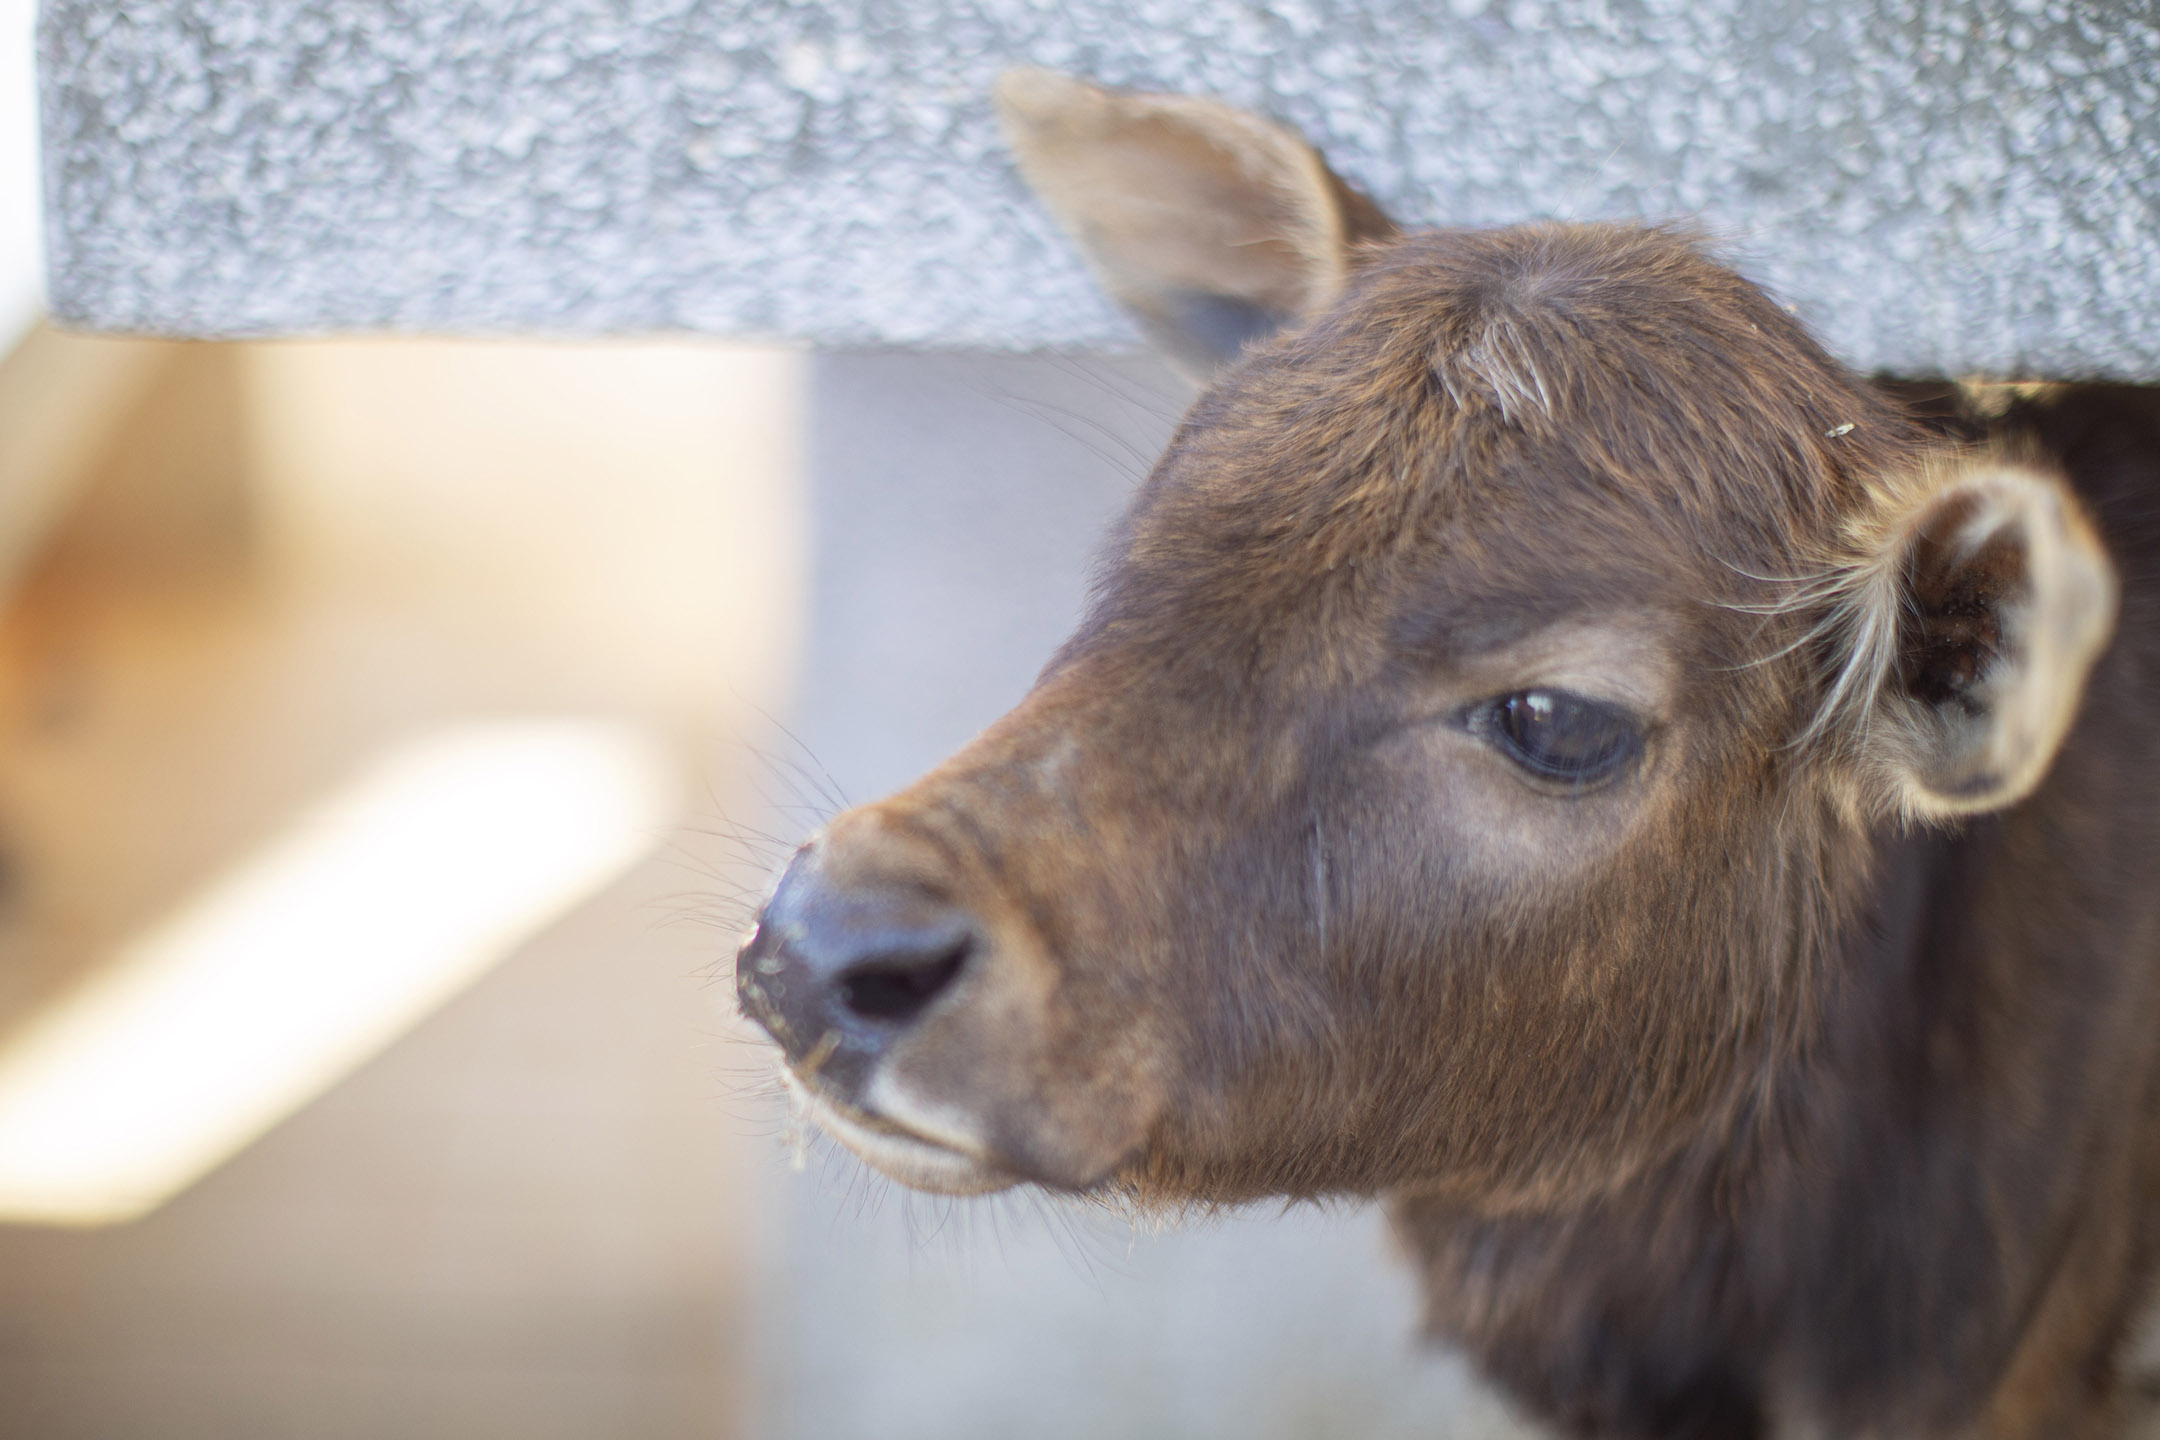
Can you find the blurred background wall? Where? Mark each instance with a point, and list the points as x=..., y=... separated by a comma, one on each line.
x=22, y=250
x=525, y=1216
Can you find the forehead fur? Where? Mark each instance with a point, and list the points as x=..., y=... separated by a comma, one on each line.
x=1541, y=398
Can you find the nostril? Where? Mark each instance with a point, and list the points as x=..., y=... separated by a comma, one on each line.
x=899, y=987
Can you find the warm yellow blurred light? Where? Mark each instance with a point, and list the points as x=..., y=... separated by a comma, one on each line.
x=290, y=972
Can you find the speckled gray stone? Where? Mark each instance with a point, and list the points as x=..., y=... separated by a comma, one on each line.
x=1937, y=186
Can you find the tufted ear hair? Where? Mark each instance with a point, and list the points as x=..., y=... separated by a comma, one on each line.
x=1212, y=226
x=1974, y=600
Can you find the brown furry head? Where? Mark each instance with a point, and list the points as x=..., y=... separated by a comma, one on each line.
x=1474, y=739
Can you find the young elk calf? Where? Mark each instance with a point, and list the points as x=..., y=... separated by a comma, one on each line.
x=1551, y=749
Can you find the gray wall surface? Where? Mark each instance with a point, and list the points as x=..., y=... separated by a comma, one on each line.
x=957, y=501
x=1937, y=186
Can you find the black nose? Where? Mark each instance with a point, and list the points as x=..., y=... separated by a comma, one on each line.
x=837, y=973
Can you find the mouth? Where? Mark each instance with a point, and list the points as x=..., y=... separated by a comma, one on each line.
x=914, y=1159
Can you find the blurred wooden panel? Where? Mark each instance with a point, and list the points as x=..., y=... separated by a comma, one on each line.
x=64, y=400
x=526, y=1217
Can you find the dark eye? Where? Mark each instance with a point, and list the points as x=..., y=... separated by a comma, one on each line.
x=1558, y=736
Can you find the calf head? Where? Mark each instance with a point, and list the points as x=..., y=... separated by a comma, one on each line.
x=1478, y=730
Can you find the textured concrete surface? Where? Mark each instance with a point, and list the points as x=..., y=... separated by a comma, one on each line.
x=956, y=502
x=1938, y=187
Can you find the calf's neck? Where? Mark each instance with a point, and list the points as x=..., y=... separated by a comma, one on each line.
x=1552, y=750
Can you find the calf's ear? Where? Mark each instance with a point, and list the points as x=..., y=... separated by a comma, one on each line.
x=1212, y=226
x=1979, y=600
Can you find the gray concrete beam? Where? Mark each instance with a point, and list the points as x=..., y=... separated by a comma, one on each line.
x=1969, y=188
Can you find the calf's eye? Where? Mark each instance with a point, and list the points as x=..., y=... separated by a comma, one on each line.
x=1558, y=736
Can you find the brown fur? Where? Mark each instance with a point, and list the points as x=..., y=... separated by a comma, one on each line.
x=1717, y=1096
